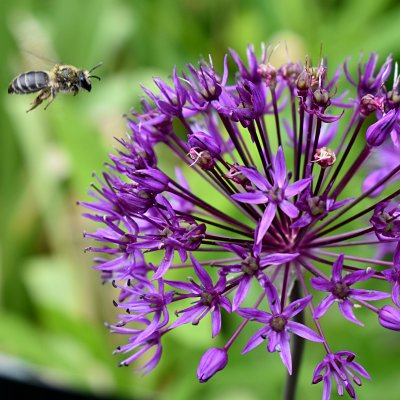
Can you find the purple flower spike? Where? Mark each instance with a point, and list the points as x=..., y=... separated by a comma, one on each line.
x=339, y=365
x=278, y=326
x=210, y=299
x=212, y=361
x=394, y=276
x=377, y=133
x=389, y=317
x=386, y=224
x=341, y=291
x=275, y=195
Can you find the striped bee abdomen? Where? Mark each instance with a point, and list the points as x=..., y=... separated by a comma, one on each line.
x=29, y=82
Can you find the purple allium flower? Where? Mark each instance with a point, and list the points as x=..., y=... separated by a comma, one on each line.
x=340, y=291
x=240, y=215
x=211, y=299
x=212, y=361
x=367, y=83
x=316, y=207
x=389, y=318
x=339, y=366
x=275, y=195
x=278, y=325
x=386, y=224
x=148, y=342
x=145, y=302
x=252, y=265
x=394, y=276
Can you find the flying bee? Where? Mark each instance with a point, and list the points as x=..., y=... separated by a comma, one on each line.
x=61, y=79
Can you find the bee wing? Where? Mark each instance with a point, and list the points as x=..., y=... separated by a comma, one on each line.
x=34, y=43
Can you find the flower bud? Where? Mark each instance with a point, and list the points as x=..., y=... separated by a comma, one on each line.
x=369, y=104
x=212, y=361
x=324, y=157
x=377, y=133
x=268, y=73
x=206, y=142
x=135, y=199
x=237, y=175
x=202, y=158
x=392, y=100
x=389, y=317
x=150, y=179
x=321, y=97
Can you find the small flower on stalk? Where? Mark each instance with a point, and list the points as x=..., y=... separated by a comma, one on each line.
x=367, y=83
x=389, y=318
x=278, y=325
x=394, y=276
x=148, y=342
x=340, y=291
x=211, y=299
x=317, y=207
x=324, y=157
x=202, y=158
x=210, y=84
x=275, y=195
x=212, y=361
x=252, y=265
x=339, y=366
x=237, y=176
x=145, y=302
x=203, y=141
x=386, y=224
x=370, y=104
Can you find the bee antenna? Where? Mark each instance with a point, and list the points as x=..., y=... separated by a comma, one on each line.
x=97, y=66
x=94, y=76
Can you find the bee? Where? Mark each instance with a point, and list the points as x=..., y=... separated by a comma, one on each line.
x=61, y=79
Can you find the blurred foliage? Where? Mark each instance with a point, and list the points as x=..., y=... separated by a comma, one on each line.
x=52, y=306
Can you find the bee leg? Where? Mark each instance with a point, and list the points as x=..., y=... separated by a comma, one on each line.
x=75, y=90
x=43, y=95
x=53, y=96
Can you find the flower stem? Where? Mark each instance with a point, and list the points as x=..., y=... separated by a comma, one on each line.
x=297, y=348
x=243, y=324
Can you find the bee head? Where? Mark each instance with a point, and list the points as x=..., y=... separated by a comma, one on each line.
x=84, y=80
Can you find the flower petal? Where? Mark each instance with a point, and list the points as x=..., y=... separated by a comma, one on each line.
x=296, y=187
x=216, y=321
x=280, y=168
x=256, y=339
x=289, y=209
x=347, y=310
x=249, y=313
x=323, y=306
x=269, y=215
x=251, y=198
x=201, y=273
x=242, y=291
x=304, y=332
x=283, y=339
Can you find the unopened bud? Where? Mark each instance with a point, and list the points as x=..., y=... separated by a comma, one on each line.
x=212, y=361
x=321, y=97
x=389, y=317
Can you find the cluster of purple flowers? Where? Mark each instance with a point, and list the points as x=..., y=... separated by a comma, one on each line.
x=285, y=226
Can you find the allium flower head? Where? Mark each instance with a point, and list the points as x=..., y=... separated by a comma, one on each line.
x=270, y=229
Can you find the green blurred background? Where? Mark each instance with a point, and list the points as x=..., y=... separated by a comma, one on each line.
x=52, y=305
